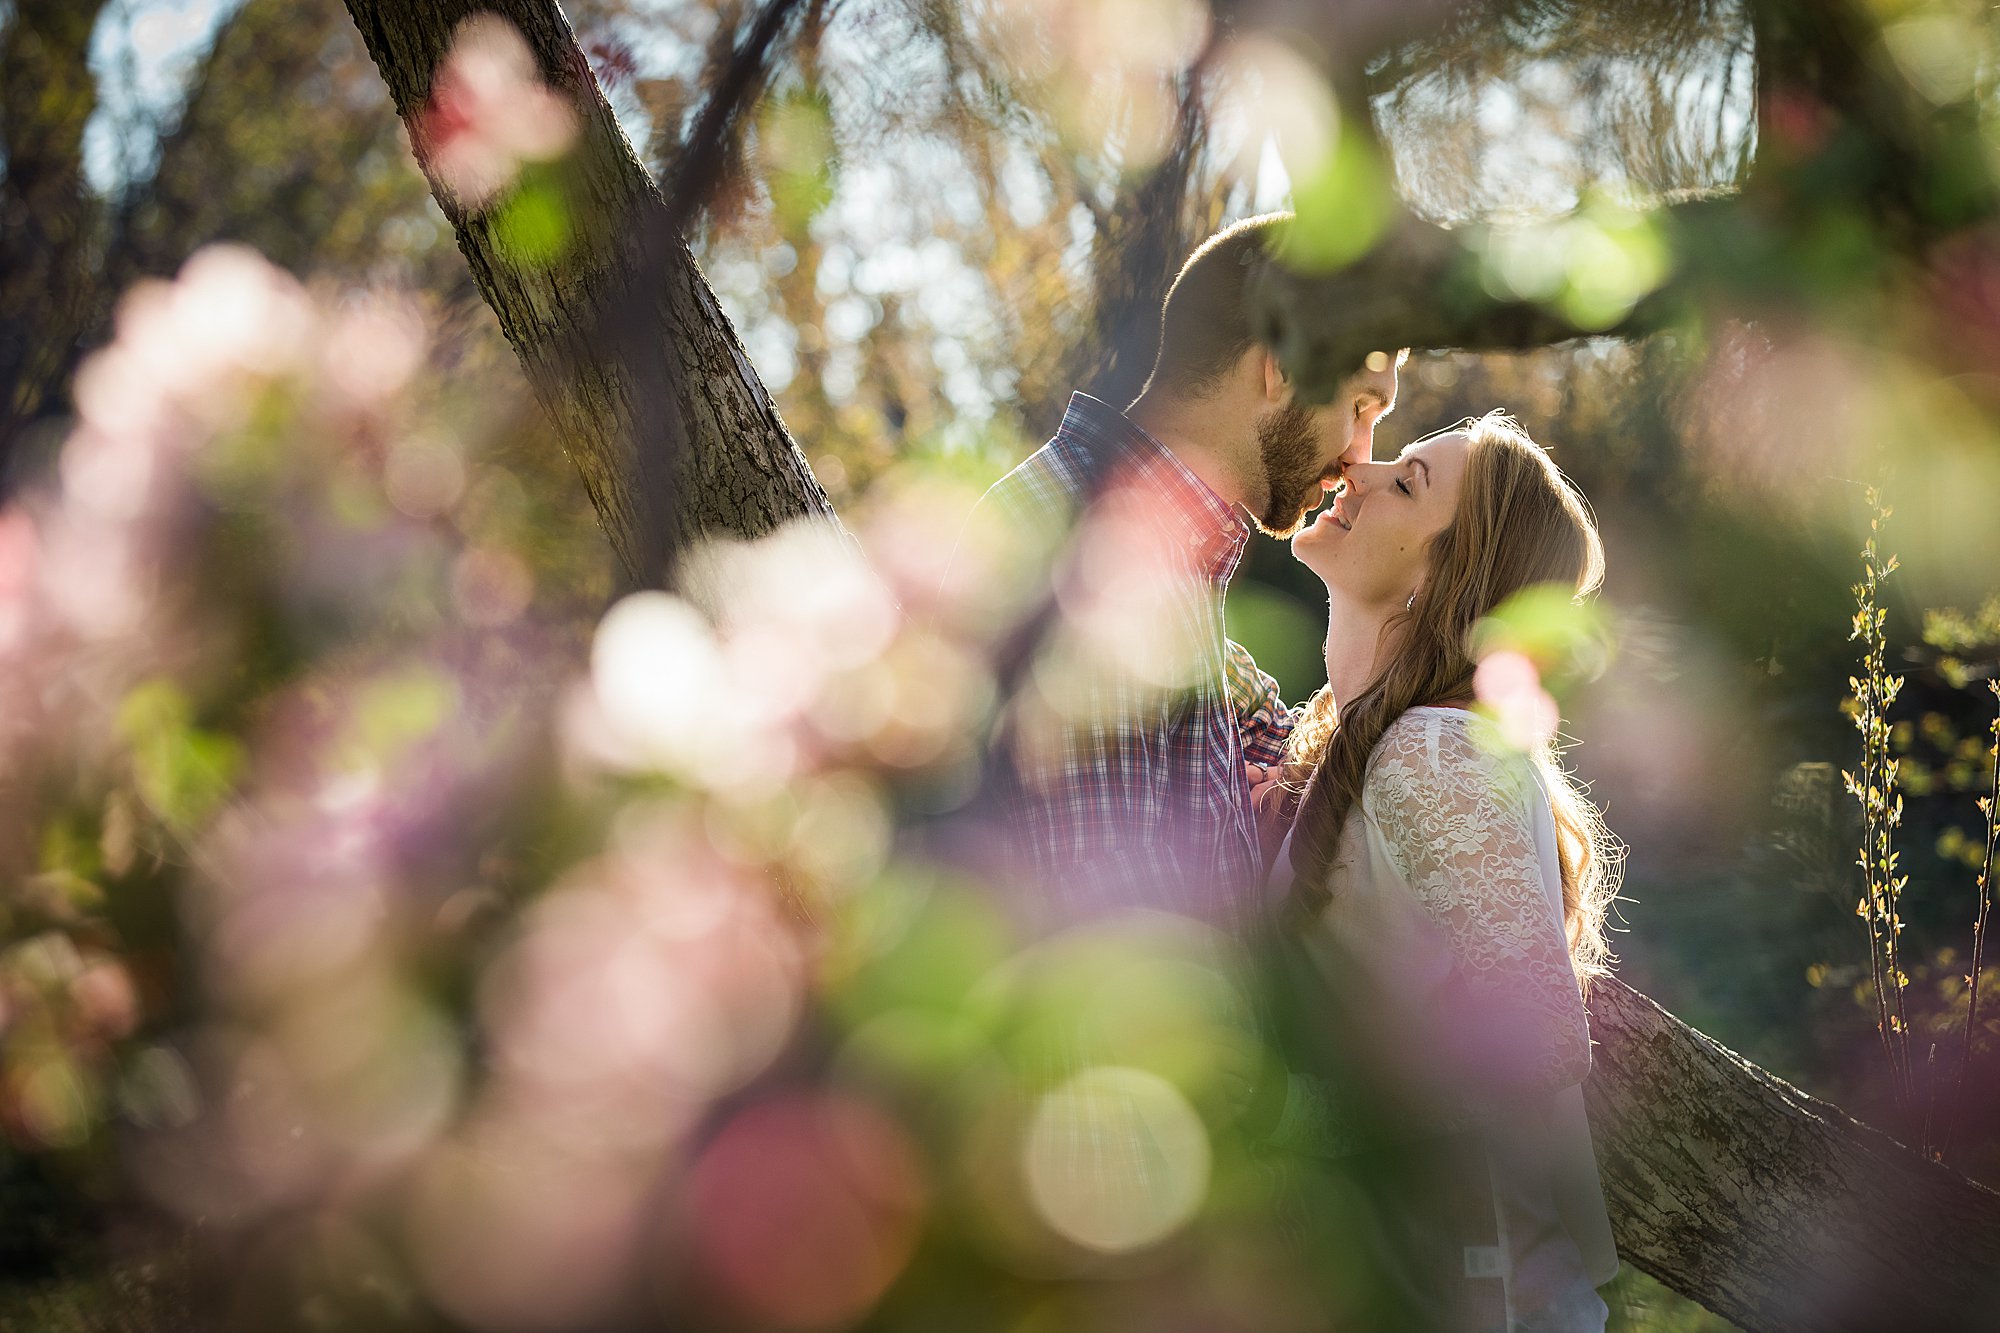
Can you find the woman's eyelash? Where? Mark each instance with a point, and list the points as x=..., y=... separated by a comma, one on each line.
x=1404, y=486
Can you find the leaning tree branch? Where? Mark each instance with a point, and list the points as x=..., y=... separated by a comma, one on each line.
x=1770, y=1207
x=1859, y=141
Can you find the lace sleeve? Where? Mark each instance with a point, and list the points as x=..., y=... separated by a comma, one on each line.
x=1456, y=820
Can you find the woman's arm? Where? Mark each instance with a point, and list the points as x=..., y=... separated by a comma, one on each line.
x=1457, y=820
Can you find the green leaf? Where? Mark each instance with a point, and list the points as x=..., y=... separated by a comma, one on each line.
x=800, y=157
x=181, y=772
x=1339, y=208
x=533, y=227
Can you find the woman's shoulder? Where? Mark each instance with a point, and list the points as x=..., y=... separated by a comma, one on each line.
x=1438, y=747
x=1433, y=733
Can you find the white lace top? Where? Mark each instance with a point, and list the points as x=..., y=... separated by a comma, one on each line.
x=1446, y=896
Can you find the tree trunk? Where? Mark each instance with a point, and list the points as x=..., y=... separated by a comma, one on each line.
x=742, y=473
x=47, y=218
x=1725, y=1183
x=1770, y=1207
x=1141, y=243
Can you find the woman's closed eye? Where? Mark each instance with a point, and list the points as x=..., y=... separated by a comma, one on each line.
x=1403, y=485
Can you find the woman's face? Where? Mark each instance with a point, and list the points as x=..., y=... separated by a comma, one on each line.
x=1369, y=543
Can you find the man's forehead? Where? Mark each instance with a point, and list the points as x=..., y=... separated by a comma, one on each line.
x=1372, y=383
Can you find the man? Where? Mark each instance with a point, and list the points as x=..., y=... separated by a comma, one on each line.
x=1123, y=773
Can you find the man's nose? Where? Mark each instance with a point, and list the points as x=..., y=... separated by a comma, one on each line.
x=1360, y=447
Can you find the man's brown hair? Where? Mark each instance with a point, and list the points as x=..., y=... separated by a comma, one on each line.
x=1205, y=321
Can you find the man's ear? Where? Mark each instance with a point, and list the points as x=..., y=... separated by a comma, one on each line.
x=1277, y=385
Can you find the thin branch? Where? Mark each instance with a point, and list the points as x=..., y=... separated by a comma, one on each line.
x=1984, y=888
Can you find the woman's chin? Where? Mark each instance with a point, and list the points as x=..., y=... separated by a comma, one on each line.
x=1323, y=528
x=1314, y=546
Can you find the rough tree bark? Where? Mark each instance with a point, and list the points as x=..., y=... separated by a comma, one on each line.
x=742, y=473
x=1770, y=1207
x=1725, y=1183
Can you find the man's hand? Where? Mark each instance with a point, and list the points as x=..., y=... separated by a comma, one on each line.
x=1274, y=799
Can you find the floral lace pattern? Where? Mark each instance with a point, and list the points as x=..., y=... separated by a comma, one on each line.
x=1458, y=820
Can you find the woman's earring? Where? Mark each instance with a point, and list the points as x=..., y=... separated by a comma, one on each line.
x=1411, y=605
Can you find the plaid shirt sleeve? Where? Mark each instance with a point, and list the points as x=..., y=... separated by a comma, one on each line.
x=1261, y=714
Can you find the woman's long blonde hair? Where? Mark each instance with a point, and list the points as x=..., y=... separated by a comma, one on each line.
x=1519, y=522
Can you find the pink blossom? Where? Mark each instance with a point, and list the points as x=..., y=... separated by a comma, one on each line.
x=1509, y=685
x=489, y=112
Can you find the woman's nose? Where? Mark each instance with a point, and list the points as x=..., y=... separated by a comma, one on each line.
x=1361, y=477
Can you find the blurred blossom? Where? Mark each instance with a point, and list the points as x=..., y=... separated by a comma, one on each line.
x=490, y=586
x=996, y=572
x=805, y=1209
x=489, y=112
x=293, y=898
x=252, y=1146
x=19, y=553
x=511, y=1232
x=105, y=998
x=230, y=320
x=424, y=475
x=1128, y=601
x=1509, y=686
x=842, y=834
x=93, y=579
x=911, y=532
x=380, y=1067
x=809, y=641
x=931, y=699
x=650, y=977
x=810, y=583
x=375, y=347
x=109, y=475
x=47, y=1101
x=659, y=684
x=1116, y=1159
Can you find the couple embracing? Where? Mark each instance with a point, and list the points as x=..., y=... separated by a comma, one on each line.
x=1450, y=888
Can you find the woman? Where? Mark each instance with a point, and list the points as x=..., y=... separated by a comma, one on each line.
x=1457, y=887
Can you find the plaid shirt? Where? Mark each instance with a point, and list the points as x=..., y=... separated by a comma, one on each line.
x=1140, y=798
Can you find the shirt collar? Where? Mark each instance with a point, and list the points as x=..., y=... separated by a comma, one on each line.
x=1209, y=527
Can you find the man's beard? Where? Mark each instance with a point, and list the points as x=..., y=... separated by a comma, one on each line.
x=1292, y=464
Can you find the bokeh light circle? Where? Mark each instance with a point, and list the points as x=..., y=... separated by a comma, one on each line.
x=1116, y=1159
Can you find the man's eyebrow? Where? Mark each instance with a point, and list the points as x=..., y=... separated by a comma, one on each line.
x=1372, y=395
x=1425, y=466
